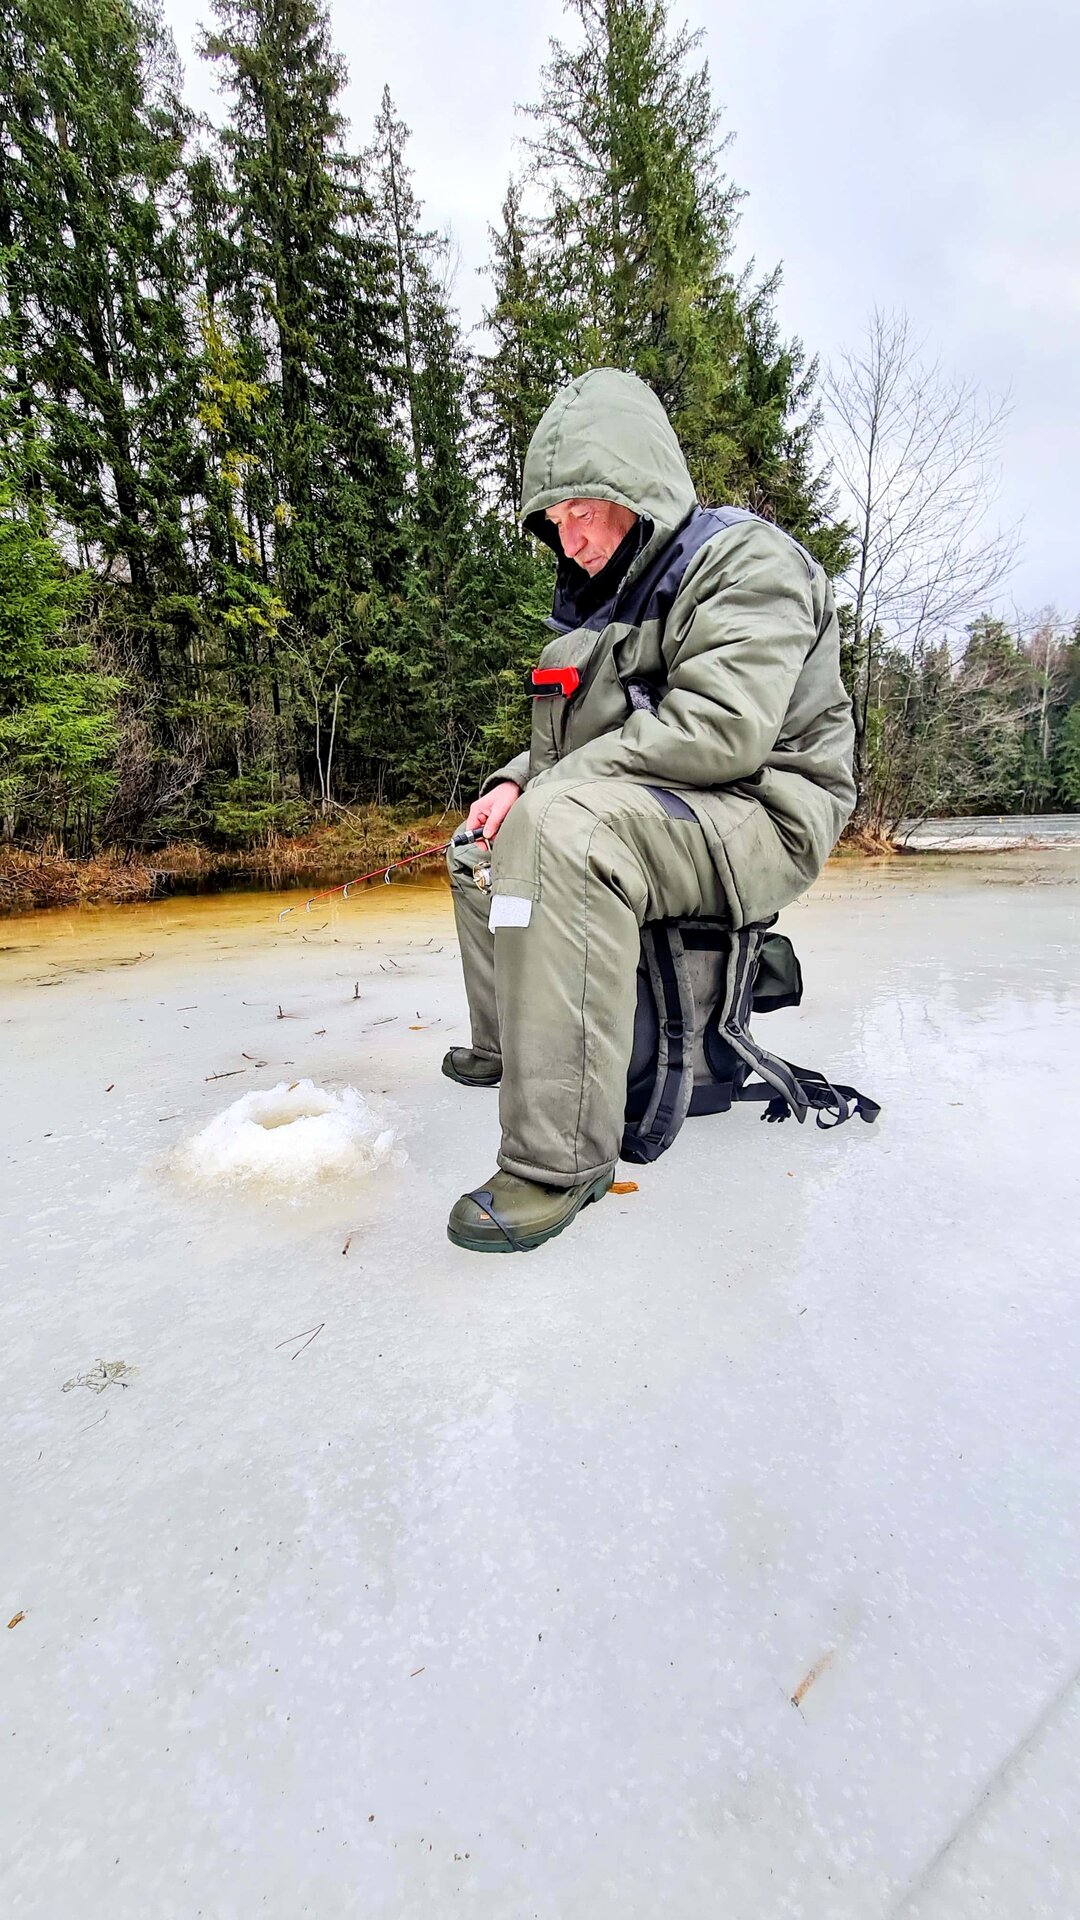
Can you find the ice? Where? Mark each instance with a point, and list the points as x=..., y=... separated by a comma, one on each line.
x=355, y=1575
x=291, y=1135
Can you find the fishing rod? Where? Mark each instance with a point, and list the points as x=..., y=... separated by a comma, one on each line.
x=463, y=838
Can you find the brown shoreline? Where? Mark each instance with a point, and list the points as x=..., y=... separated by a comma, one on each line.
x=326, y=855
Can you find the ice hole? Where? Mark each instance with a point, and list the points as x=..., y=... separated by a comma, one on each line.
x=292, y=1136
x=293, y=1108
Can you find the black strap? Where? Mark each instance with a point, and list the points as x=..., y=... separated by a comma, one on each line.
x=675, y=1034
x=641, y=1145
x=734, y=1027
x=672, y=803
x=789, y=1089
x=833, y=1101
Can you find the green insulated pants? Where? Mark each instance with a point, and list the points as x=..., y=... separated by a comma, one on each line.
x=551, y=982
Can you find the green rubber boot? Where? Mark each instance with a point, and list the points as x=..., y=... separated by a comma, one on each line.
x=471, y=1069
x=509, y=1215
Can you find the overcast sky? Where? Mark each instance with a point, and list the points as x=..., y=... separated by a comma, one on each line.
x=924, y=154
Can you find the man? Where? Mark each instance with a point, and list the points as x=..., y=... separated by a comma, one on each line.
x=691, y=755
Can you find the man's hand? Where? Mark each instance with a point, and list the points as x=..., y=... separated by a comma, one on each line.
x=491, y=809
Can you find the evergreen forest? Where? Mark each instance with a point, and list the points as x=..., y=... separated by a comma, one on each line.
x=259, y=558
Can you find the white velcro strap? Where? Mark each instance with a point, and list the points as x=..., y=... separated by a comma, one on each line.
x=509, y=910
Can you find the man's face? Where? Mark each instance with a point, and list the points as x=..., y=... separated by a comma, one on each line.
x=590, y=530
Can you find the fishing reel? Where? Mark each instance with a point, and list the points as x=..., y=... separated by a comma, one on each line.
x=482, y=872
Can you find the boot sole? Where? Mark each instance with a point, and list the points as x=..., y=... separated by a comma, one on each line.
x=463, y=1080
x=527, y=1241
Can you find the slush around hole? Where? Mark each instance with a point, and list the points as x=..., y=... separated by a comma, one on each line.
x=294, y=1136
x=282, y=1113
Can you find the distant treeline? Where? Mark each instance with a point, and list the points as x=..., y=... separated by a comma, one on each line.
x=258, y=550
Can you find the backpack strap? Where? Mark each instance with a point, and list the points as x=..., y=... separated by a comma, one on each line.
x=786, y=1088
x=732, y=1053
x=834, y=1100
x=646, y=1139
x=732, y=1023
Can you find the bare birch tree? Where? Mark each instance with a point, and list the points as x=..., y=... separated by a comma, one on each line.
x=322, y=670
x=915, y=457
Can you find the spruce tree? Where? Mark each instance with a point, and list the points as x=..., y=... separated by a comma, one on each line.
x=96, y=323
x=314, y=279
x=400, y=214
x=995, y=685
x=421, y=656
x=530, y=327
x=57, y=714
x=453, y=661
x=640, y=213
x=640, y=226
x=1066, y=761
x=773, y=419
x=91, y=144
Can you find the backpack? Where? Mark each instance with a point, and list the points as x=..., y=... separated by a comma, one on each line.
x=698, y=982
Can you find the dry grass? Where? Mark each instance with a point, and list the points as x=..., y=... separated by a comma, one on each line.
x=864, y=843
x=364, y=837
x=50, y=880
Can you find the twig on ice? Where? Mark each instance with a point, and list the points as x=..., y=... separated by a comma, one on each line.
x=312, y=1333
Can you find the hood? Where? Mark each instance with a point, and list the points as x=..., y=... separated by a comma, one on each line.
x=606, y=437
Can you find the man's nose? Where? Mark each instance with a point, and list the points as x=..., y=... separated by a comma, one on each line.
x=573, y=539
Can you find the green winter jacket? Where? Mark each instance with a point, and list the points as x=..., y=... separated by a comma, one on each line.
x=736, y=648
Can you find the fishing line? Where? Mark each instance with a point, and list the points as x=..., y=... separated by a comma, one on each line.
x=463, y=838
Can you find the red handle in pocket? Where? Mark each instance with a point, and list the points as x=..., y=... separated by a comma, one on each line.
x=550, y=680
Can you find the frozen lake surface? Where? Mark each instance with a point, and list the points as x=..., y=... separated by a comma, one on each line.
x=719, y=1561
x=994, y=831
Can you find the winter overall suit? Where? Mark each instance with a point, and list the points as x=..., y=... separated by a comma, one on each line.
x=712, y=682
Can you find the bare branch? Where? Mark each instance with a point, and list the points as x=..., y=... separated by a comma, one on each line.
x=914, y=455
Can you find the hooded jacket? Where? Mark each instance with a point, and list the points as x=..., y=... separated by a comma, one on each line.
x=711, y=666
